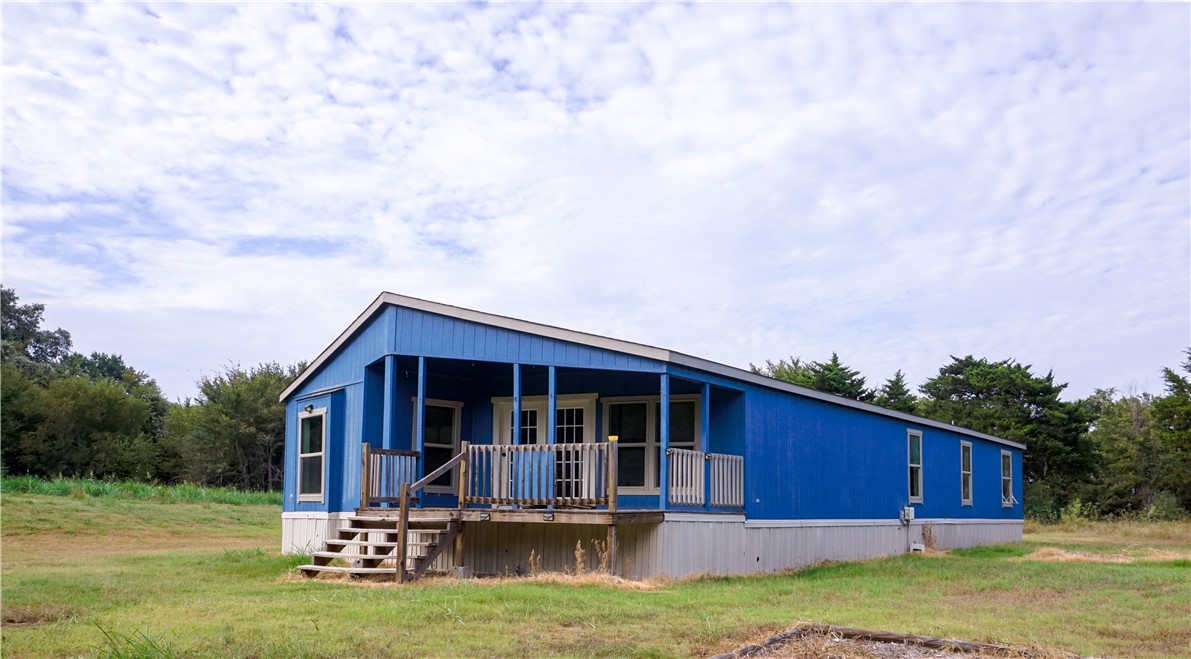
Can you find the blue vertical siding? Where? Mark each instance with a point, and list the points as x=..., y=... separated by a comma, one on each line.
x=339, y=455
x=423, y=333
x=808, y=459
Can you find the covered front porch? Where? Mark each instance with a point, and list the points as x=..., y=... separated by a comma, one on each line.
x=527, y=440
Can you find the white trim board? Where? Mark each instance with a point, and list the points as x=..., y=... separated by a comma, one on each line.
x=615, y=345
x=736, y=518
x=313, y=514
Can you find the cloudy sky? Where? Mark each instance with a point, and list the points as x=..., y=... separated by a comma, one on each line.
x=192, y=185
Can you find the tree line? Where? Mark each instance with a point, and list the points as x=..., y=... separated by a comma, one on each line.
x=1112, y=453
x=67, y=414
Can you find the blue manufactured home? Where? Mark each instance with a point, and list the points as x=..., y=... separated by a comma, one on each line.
x=429, y=436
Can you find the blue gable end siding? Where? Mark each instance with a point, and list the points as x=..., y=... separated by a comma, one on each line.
x=350, y=376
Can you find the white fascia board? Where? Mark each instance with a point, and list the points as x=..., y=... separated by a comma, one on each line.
x=768, y=382
x=616, y=345
x=334, y=347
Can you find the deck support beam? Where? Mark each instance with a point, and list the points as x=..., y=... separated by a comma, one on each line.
x=664, y=444
x=612, y=550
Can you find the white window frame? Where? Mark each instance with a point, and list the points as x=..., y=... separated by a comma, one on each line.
x=456, y=435
x=910, y=435
x=652, y=487
x=1007, y=502
x=965, y=475
x=320, y=497
x=502, y=408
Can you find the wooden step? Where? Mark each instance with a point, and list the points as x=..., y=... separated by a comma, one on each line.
x=347, y=570
x=378, y=545
x=414, y=525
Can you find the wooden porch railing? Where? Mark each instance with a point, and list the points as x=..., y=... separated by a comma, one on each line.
x=727, y=480
x=564, y=475
x=382, y=473
x=686, y=477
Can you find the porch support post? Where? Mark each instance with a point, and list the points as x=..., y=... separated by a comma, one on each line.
x=420, y=422
x=551, y=407
x=664, y=444
x=516, y=438
x=705, y=442
x=551, y=423
x=390, y=403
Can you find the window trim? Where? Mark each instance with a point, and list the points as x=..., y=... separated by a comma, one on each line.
x=457, y=406
x=1007, y=502
x=965, y=476
x=320, y=497
x=651, y=440
x=910, y=435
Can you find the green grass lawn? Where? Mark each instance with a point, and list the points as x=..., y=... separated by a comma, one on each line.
x=105, y=575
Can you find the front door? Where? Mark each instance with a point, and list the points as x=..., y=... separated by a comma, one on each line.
x=565, y=472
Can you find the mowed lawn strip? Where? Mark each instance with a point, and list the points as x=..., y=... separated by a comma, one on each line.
x=206, y=579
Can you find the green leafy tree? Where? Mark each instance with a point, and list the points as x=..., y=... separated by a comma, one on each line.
x=1172, y=427
x=90, y=428
x=20, y=415
x=234, y=432
x=1133, y=461
x=896, y=395
x=22, y=340
x=1004, y=398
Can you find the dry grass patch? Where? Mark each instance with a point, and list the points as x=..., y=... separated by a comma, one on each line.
x=437, y=580
x=1057, y=555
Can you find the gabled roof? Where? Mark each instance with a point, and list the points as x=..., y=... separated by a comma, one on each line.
x=615, y=345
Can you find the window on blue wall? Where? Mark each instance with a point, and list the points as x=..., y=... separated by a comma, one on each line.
x=441, y=439
x=914, y=441
x=637, y=421
x=1006, y=479
x=965, y=473
x=312, y=438
x=629, y=422
x=682, y=429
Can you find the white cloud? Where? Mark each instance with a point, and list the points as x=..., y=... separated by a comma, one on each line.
x=898, y=183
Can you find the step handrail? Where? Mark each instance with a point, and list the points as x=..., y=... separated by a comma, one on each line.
x=407, y=489
x=447, y=466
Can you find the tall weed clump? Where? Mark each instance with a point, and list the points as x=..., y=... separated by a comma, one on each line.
x=81, y=488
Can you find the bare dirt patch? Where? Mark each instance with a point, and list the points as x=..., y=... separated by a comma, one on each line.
x=18, y=616
x=810, y=641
